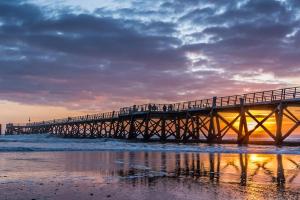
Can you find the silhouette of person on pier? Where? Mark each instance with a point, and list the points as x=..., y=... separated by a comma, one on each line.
x=164, y=108
x=149, y=107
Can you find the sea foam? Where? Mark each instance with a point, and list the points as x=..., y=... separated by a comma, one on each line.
x=45, y=142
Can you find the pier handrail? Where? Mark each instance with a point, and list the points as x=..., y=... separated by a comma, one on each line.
x=249, y=98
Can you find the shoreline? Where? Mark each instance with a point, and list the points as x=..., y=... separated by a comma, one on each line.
x=47, y=143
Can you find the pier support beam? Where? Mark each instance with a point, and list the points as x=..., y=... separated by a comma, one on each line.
x=243, y=136
x=212, y=131
x=146, y=135
x=132, y=131
x=279, y=117
x=177, y=129
x=163, y=136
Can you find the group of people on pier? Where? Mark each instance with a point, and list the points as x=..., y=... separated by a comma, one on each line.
x=149, y=107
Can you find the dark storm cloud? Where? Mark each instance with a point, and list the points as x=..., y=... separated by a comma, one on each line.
x=255, y=35
x=140, y=54
x=16, y=12
x=64, y=57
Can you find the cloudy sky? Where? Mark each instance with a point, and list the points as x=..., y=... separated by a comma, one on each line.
x=61, y=58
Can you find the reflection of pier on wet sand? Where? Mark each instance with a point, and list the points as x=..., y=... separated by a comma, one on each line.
x=243, y=168
x=148, y=168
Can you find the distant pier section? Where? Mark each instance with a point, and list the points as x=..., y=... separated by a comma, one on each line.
x=192, y=121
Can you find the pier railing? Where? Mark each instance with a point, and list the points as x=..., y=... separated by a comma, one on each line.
x=249, y=98
x=107, y=115
x=218, y=102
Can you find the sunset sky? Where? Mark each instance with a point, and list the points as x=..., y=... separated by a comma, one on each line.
x=61, y=58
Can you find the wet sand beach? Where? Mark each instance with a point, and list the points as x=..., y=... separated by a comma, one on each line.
x=148, y=175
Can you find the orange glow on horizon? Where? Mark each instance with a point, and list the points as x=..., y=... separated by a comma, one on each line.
x=269, y=124
x=20, y=113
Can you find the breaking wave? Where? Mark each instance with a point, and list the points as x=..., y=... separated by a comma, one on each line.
x=45, y=142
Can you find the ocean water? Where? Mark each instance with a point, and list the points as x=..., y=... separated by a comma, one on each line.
x=45, y=142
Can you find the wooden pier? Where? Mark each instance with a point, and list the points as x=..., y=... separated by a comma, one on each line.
x=192, y=121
